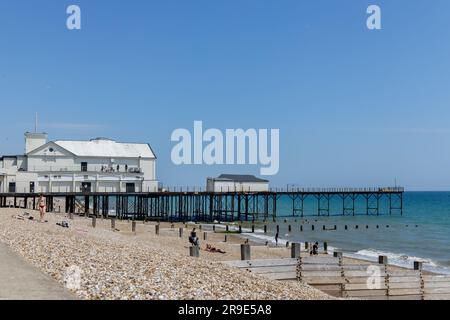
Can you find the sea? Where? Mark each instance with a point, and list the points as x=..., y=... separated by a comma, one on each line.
x=422, y=233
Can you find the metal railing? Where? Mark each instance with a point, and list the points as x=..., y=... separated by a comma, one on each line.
x=287, y=189
x=89, y=168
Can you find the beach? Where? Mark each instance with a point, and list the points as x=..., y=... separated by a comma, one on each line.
x=141, y=266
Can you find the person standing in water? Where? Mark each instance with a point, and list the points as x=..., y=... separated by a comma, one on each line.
x=276, y=238
x=42, y=208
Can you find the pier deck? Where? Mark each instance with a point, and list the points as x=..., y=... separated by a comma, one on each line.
x=222, y=206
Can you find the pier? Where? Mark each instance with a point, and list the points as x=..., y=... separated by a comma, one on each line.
x=220, y=206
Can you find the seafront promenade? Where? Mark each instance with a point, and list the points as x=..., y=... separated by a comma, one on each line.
x=21, y=281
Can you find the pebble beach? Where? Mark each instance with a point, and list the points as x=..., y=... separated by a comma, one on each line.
x=122, y=265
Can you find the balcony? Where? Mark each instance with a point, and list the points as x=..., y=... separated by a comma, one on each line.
x=107, y=169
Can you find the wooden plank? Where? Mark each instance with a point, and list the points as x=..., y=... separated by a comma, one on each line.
x=404, y=292
x=437, y=284
x=436, y=278
x=364, y=293
x=332, y=267
x=260, y=270
x=356, y=280
x=320, y=267
x=375, y=298
x=362, y=286
x=405, y=285
x=262, y=263
x=329, y=287
x=322, y=280
x=404, y=279
x=437, y=290
x=437, y=297
x=408, y=297
x=280, y=276
x=320, y=273
x=404, y=273
x=352, y=273
x=320, y=260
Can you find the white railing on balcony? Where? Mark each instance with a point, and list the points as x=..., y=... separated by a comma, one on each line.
x=89, y=168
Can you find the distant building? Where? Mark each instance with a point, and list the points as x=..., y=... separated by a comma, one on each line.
x=98, y=165
x=236, y=183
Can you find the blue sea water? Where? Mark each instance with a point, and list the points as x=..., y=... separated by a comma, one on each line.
x=421, y=233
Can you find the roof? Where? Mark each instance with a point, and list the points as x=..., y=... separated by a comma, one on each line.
x=107, y=148
x=239, y=178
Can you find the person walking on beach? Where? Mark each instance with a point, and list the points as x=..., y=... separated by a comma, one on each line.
x=42, y=208
x=276, y=238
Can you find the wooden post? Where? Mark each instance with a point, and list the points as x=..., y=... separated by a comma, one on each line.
x=157, y=229
x=418, y=265
x=226, y=238
x=290, y=228
x=240, y=229
x=301, y=228
x=245, y=252
x=205, y=236
x=323, y=228
x=253, y=228
x=325, y=247
x=113, y=223
x=181, y=232
x=227, y=228
x=312, y=227
x=345, y=227
x=133, y=226
x=295, y=250
x=265, y=228
x=194, y=251
x=383, y=260
x=94, y=221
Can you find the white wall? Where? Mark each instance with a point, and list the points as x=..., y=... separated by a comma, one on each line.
x=225, y=186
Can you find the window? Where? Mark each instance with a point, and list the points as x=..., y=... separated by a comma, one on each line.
x=84, y=167
x=12, y=187
x=130, y=188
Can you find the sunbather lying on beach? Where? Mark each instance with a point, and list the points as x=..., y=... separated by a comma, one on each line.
x=20, y=217
x=212, y=249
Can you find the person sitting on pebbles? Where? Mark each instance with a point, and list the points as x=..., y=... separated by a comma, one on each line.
x=193, y=239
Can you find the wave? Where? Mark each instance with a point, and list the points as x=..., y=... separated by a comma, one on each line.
x=399, y=259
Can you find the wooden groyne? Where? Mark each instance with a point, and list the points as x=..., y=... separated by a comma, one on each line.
x=349, y=278
x=220, y=206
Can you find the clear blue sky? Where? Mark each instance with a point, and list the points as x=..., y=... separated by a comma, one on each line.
x=354, y=107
